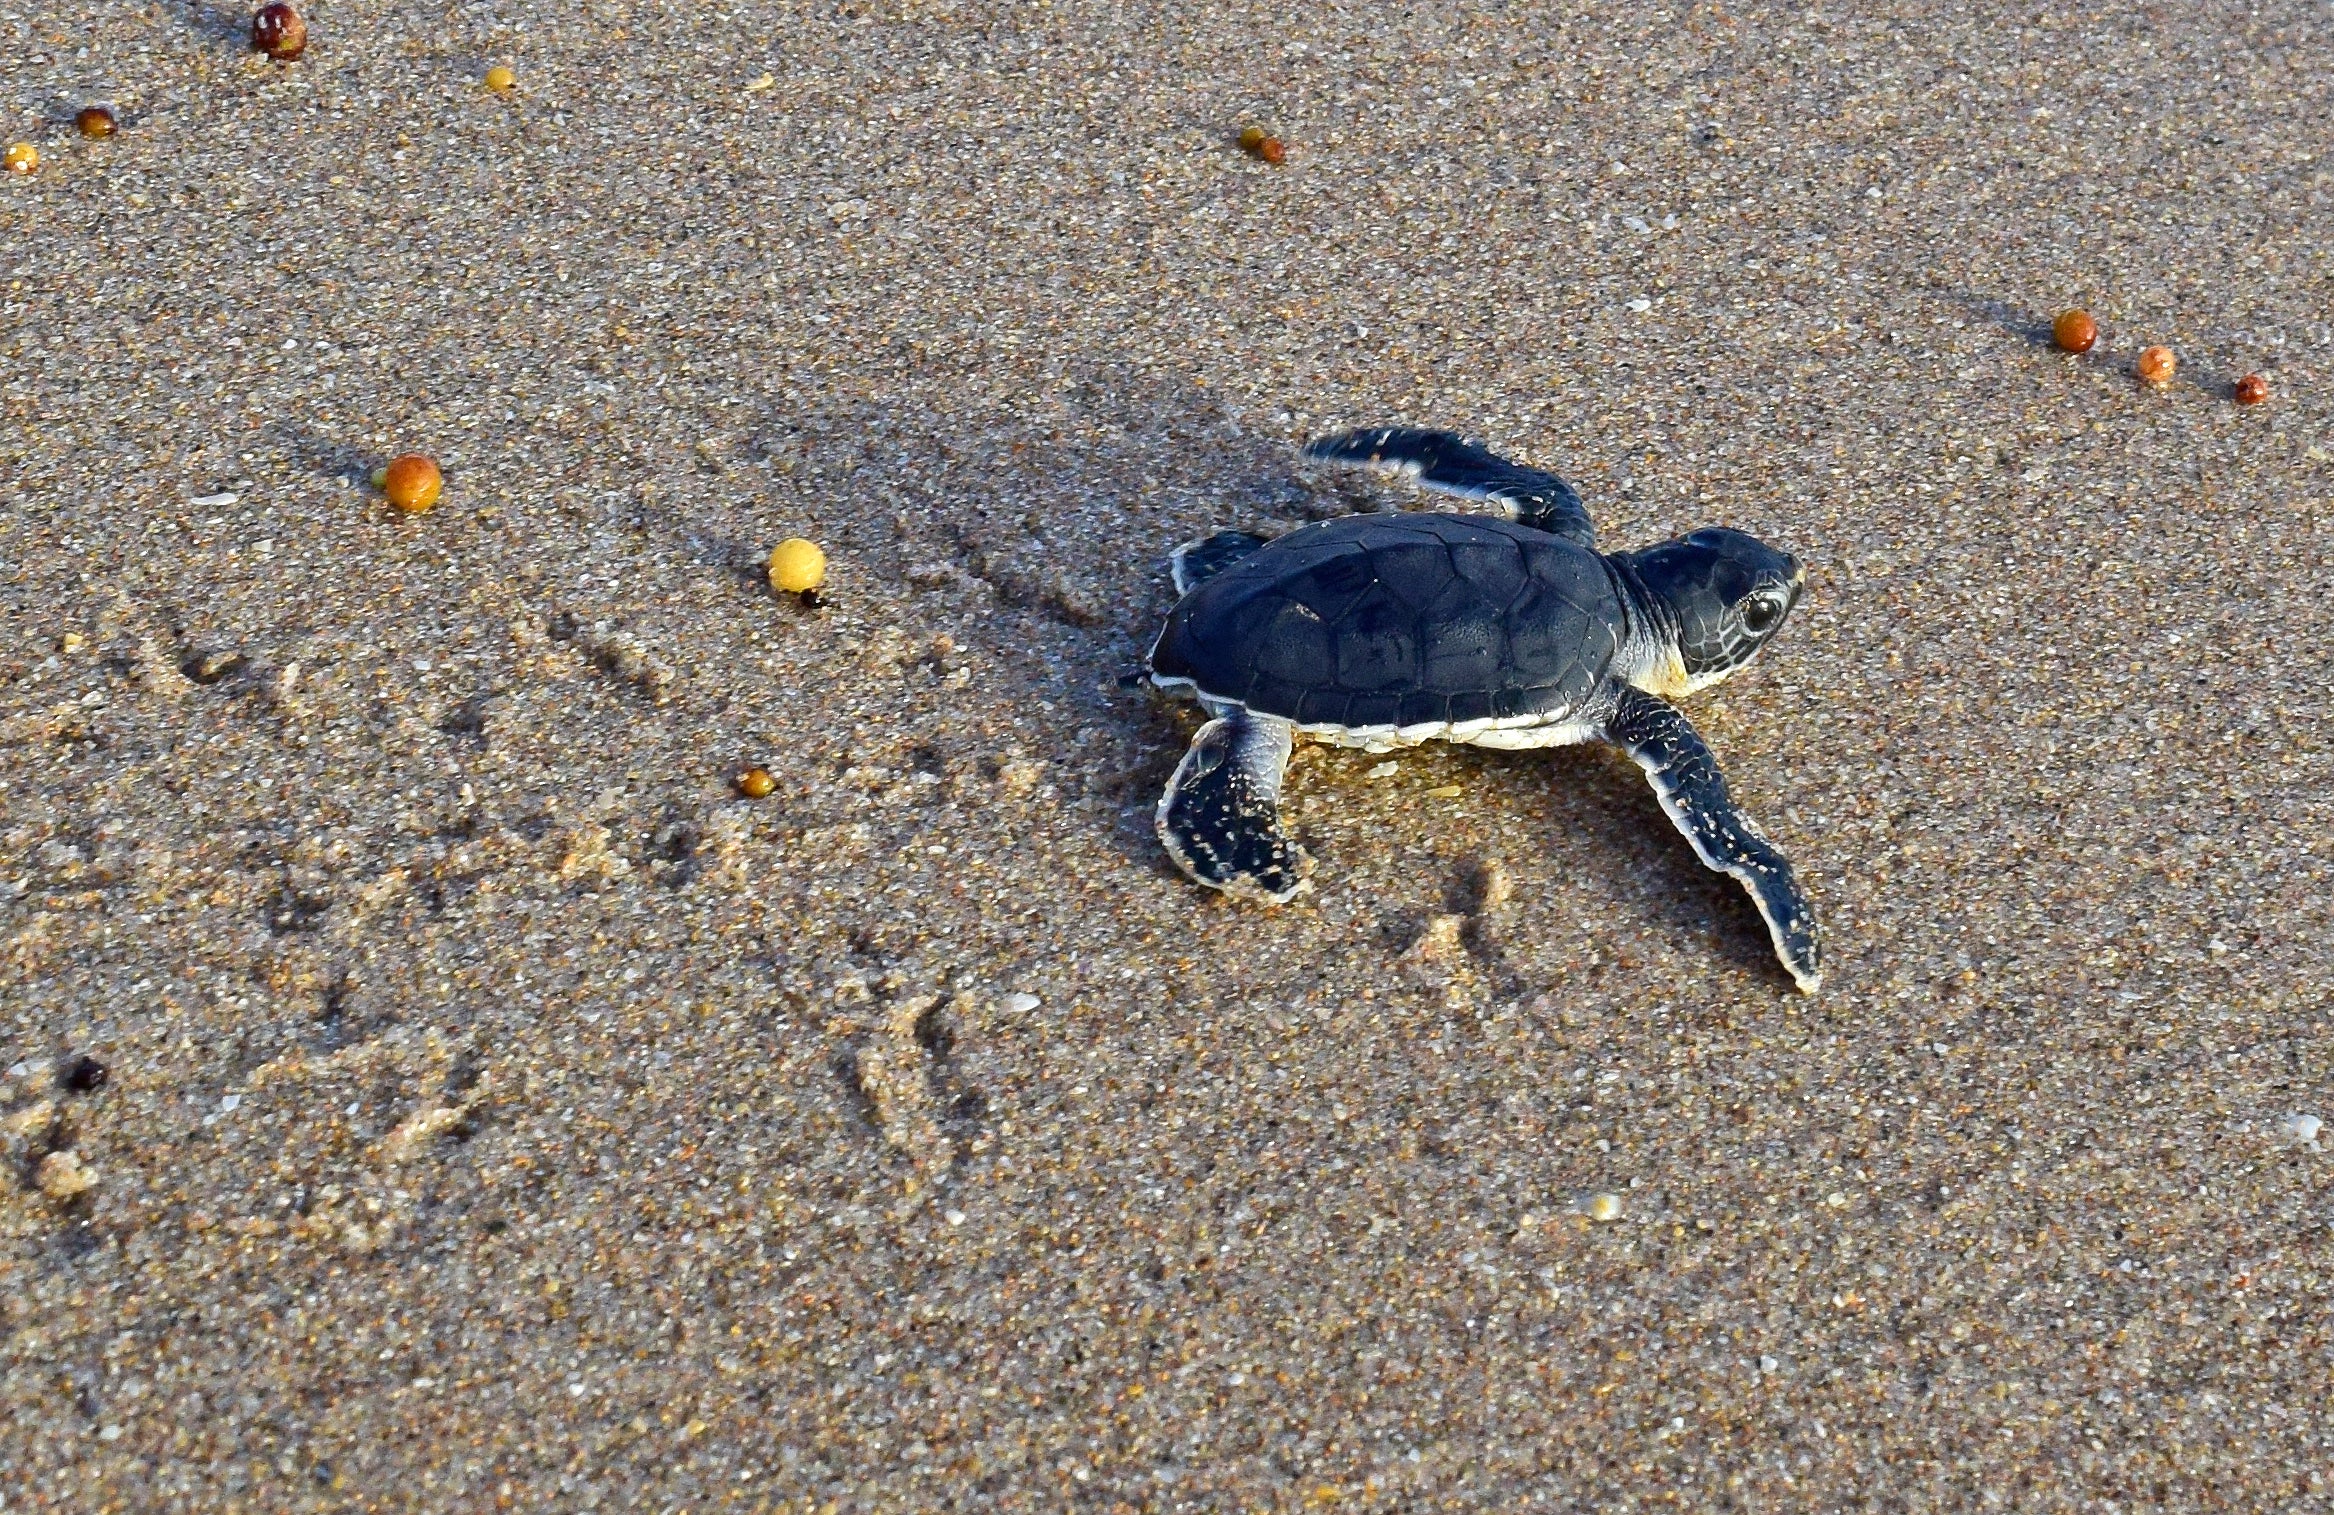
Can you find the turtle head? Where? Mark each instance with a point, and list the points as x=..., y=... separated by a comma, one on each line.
x=1726, y=593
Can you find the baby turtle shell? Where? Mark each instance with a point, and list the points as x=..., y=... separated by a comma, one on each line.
x=1351, y=626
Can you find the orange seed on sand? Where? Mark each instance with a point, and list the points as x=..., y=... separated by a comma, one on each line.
x=2156, y=366
x=21, y=158
x=412, y=483
x=756, y=783
x=2252, y=389
x=500, y=79
x=2075, y=331
x=95, y=121
x=1259, y=143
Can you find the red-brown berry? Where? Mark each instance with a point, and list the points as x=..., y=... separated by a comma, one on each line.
x=2252, y=389
x=95, y=121
x=2075, y=331
x=2157, y=365
x=278, y=31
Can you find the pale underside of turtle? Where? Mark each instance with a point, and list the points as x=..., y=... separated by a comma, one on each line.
x=1507, y=631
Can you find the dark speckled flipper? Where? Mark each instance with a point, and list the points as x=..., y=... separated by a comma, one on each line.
x=1220, y=816
x=1693, y=792
x=1451, y=465
x=1202, y=558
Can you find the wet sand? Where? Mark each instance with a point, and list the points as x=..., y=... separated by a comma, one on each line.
x=498, y=1111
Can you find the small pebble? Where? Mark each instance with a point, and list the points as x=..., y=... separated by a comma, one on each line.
x=797, y=566
x=412, y=482
x=2252, y=389
x=1602, y=1207
x=278, y=31
x=96, y=121
x=62, y=1175
x=756, y=783
x=1442, y=939
x=500, y=79
x=2157, y=365
x=2075, y=331
x=2301, y=1130
x=1021, y=1004
x=24, y=1120
x=1384, y=770
x=21, y=158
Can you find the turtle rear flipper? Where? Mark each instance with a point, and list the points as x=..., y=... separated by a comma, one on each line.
x=1693, y=793
x=1220, y=816
x=1202, y=558
x=1449, y=464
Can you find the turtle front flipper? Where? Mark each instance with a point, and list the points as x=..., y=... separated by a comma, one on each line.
x=1693, y=792
x=1220, y=816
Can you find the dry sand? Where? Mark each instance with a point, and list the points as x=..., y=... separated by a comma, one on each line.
x=503, y=1114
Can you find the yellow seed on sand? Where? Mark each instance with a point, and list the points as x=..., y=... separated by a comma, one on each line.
x=756, y=783
x=21, y=158
x=797, y=566
x=500, y=79
x=1603, y=1207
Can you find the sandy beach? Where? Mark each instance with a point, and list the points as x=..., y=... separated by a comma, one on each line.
x=431, y=1085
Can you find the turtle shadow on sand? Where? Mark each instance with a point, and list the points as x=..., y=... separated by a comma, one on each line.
x=1586, y=807
x=1608, y=813
x=1581, y=835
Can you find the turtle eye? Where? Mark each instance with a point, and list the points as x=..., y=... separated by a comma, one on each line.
x=1760, y=613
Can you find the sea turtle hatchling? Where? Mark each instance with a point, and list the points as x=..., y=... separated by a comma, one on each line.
x=1383, y=631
